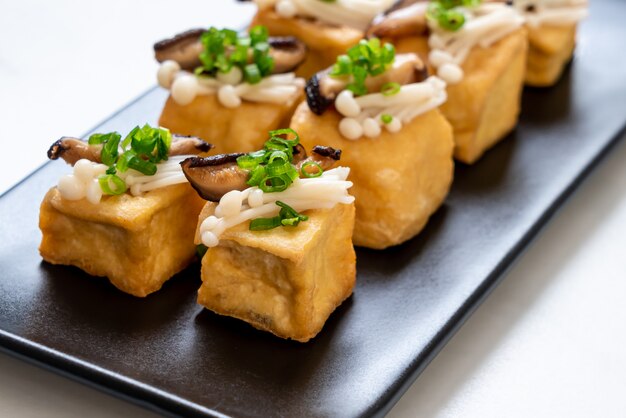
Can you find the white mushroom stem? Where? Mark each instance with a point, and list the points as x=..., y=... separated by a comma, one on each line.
x=237, y=207
x=352, y=13
x=185, y=87
x=366, y=115
x=484, y=26
x=83, y=182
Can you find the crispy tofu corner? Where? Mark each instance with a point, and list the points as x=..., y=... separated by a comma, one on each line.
x=138, y=243
x=287, y=280
x=399, y=179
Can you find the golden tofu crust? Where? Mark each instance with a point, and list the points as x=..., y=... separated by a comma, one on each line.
x=399, y=179
x=324, y=42
x=137, y=242
x=286, y=280
x=240, y=129
x=550, y=49
x=484, y=107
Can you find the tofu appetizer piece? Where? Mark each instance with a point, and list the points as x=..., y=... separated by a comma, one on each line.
x=551, y=28
x=127, y=211
x=382, y=109
x=328, y=28
x=278, y=232
x=228, y=88
x=479, y=50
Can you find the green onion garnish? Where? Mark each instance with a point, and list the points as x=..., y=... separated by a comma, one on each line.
x=111, y=184
x=318, y=169
x=225, y=48
x=271, y=168
x=368, y=57
x=389, y=89
x=445, y=14
x=142, y=149
x=201, y=250
x=287, y=216
x=386, y=118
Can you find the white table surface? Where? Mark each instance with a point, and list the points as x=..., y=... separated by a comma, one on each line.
x=549, y=342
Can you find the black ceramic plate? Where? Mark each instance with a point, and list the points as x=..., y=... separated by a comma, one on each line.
x=166, y=353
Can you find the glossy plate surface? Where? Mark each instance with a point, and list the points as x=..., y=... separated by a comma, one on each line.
x=166, y=353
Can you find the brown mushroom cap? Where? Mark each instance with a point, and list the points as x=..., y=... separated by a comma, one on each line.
x=325, y=157
x=322, y=89
x=213, y=177
x=188, y=145
x=404, y=18
x=288, y=52
x=73, y=149
x=184, y=48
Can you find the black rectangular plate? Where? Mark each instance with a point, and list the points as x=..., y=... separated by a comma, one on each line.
x=166, y=353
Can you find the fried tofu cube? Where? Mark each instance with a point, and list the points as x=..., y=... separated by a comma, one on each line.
x=287, y=280
x=324, y=42
x=400, y=179
x=138, y=242
x=550, y=49
x=240, y=129
x=484, y=107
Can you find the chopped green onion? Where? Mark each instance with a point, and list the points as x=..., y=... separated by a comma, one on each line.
x=142, y=149
x=109, y=152
x=274, y=184
x=389, y=89
x=257, y=176
x=112, y=184
x=287, y=216
x=201, y=250
x=446, y=14
x=223, y=49
x=144, y=167
x=262, y=224
x=386, y=118
x=103, y=138
x=367, y=58
x=318, y=172
x=252, y=74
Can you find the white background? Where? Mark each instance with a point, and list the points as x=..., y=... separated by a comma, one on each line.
x=549, y=342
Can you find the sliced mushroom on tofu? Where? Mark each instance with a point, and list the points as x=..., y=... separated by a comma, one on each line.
x=73, y=149
x=213, y=177
x=288, y=52
x=184, y=48
x=325, y=157
x=322, y=89
x=188, y=145
x=404, y=18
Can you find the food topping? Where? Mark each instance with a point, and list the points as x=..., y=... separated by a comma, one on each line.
x=552, y=12
x=214, y=176
x=457, y=26
x=356, y=14
x=373, y=89
x=253, y=67
x=270, y=186
x=405, y=18
x=148, y=158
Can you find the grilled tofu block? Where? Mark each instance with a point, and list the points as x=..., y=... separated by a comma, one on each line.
x=138, y=242
x=240, y=129
x=550, y=49
x=399, y=179
x=484, y=107
x=286, y=280
x=324, y=42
